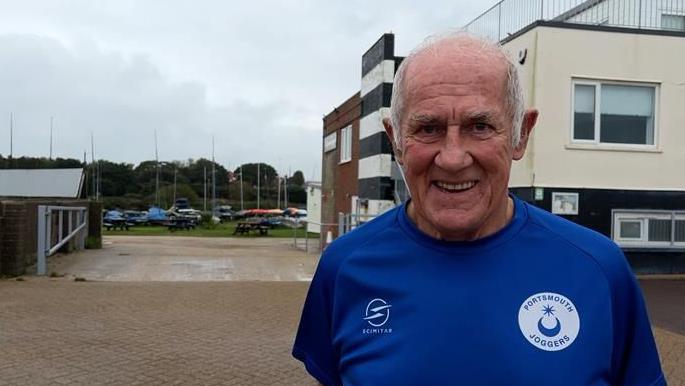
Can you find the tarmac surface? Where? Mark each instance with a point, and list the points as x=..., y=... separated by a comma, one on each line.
x=203, y=328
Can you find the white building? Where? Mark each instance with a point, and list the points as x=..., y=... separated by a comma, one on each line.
x=607, y=152
x=313, y=207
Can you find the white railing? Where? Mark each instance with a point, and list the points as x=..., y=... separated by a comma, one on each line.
x=507, y=17
x=76, y=224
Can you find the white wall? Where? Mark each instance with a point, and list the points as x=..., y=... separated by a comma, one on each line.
x=564, y=54
x=313, y=209
x=526, y=44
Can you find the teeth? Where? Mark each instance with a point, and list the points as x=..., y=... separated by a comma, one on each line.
x=462, y=186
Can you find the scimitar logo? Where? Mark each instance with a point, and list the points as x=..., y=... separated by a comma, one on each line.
x=377, y=312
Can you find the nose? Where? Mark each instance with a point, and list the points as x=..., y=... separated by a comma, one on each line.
x=453, y=155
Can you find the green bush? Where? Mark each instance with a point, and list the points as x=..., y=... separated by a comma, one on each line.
x=206, y=221
x=93, y=242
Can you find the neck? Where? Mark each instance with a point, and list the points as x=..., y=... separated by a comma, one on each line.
x=497, y=221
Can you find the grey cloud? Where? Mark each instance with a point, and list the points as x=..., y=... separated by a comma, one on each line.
x=123, y=100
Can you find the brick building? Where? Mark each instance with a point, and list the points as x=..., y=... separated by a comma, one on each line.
x=22, y=191
x=360, y=178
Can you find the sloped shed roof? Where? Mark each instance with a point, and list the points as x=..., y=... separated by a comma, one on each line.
x=62, y=183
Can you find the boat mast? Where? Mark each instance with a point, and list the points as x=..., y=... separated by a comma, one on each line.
x=156, y=172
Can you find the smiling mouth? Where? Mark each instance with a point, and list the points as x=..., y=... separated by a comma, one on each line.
x=454, y=188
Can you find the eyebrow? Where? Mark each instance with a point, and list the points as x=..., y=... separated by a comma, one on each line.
x=480, y=116
x=423, y=118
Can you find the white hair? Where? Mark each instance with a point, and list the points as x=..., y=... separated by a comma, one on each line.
x=514, y=91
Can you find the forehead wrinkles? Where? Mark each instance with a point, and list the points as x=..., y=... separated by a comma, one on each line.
x=454, y=73
x=454, y=97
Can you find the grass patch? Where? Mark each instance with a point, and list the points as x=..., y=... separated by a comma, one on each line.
x=221, y=230
x=94, y=242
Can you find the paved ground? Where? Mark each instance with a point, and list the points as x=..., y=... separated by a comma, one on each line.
x=666, y=303
x=155, y=258
x=230, y=331
x=56, y=331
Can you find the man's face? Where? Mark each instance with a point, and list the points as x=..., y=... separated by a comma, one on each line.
x=456, y=143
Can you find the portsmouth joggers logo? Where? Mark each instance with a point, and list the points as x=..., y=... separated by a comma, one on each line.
x=549, y=321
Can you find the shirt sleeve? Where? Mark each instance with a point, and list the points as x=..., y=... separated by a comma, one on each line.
x=635, y=360
x=313, y=343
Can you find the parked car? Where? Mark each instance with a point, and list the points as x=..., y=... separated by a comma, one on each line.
x=182, y=203
x=224, y=213
x=192, y=214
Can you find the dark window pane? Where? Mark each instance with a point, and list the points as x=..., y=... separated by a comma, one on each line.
x=584, y=126
x=680, y=230
x=623, y=129
x=630, y=229
x=659, y=230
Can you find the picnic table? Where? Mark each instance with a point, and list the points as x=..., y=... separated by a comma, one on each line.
x=181, y=223
x=116, y=224
x=244, y=227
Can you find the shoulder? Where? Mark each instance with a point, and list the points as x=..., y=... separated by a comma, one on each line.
x=593, y=245
x=346, y=245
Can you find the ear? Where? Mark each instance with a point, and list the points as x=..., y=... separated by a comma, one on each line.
x=389, y=130
x=530, y=117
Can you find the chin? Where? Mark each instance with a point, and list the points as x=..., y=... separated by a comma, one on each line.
x=456, y=224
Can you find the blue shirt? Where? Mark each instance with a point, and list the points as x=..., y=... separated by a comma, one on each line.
x=543, y=301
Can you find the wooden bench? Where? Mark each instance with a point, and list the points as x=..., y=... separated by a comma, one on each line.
x=245, y=227
x=181, y=223
x=116, y=224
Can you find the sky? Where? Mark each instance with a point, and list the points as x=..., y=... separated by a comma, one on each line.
x=257, y=76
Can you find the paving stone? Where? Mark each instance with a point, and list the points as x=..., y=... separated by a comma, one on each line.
x=149, y=333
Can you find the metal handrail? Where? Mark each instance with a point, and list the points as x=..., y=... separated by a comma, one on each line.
x=44, y=239
x=507, y=17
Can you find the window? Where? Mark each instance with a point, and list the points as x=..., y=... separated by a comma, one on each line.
x=346, y=144
x=649, y=229
x=673, y=22
x=613, y=113
x=329, y=142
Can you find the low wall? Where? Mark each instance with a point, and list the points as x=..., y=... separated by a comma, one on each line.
x=19, y=228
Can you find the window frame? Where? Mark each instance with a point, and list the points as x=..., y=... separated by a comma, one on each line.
x=670, y=13
x=595, y=143
x=346, y=144
x=643, y=216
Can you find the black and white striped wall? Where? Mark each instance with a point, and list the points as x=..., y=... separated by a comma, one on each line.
x=376, y=186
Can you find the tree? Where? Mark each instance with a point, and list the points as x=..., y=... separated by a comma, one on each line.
x=267, y=174
x=297, y=179
x=116, y=179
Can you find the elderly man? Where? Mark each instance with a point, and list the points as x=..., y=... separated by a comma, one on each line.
x=465, y=284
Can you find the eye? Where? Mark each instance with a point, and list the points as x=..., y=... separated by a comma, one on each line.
x=429, y=129
x=481, y=130
x=428, y=132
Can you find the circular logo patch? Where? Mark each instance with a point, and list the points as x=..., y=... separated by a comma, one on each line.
x=549, y=321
